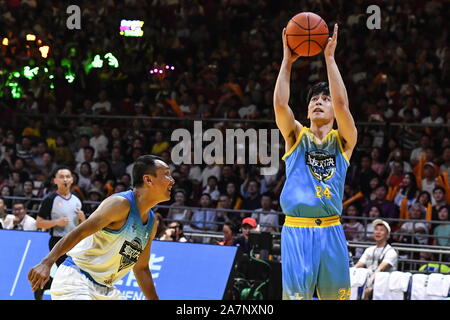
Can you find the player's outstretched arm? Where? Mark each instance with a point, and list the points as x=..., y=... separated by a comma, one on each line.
x=284, y=116
x=142, y=271
x=111, y=210
x=346, y=124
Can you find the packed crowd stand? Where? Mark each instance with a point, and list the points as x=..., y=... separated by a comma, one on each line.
x=400, y=173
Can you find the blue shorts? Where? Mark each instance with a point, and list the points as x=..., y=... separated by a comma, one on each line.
x=314, y=255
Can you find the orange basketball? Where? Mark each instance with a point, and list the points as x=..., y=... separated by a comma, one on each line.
x=307, y=34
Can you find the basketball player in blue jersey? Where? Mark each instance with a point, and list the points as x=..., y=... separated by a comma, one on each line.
x=313, y=247
x=113, y=240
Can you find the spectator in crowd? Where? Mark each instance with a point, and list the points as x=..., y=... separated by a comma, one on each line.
x=438, y=200
x=104, y=172
x=117, y=165
x=89, y=158
x=63, y=154
x=423, y=198
x=95, y=195
x=227, y=177
x=8, y=157
x=37, y=150
x=6, y=220
x=378, y=258
x=82, y=143
x=233, y=193
x=120, y=187
x=212, y=189
x=98, y=141
x=22, y=221
x=434, y=117
x=210, y=170
x=445, y=166
x=229, y=232
x=135, y=154
x=373, y=185
x=161, y=226
x=243, y=240
x=182, y=181
x=442, y=230
x=267, y=221
x=388, y=209
x=354, y=229
x=408, y=190
x=424, y=143
x=252, y=197
x=6, y=191
x=195, y=172
x=160, y=144
x=362, y=175
x=374, y=214
x=225, y=216
x=23, y=149
x=414, y=230
x=174, y=232
x=126, y=180
x=397, y=155
x=429, y=181
x=203, y=219
x=103, y=106
x=21, y=171
x=47, y=166
x=176, y=214
x=377, y=166
x=30, y=204
x=85, y=176
x=395, y=177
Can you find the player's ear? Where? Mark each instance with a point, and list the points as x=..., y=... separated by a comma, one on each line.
x=148, y=180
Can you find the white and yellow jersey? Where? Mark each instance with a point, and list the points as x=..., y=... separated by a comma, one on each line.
x=108, y=255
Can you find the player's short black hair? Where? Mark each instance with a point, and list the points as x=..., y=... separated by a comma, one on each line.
x=145, y=164
x=320, y=87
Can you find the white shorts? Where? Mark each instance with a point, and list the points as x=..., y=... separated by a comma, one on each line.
x=71, y=284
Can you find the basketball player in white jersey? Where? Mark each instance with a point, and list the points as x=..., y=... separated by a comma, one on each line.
x=113, y=240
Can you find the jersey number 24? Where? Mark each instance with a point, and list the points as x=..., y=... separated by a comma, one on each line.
x=323, y=192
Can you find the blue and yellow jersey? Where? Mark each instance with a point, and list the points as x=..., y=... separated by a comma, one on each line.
x=315, y=176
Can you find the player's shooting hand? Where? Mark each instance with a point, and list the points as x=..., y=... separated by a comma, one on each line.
x=38, y=276
x=331, y=44
x=288, y=54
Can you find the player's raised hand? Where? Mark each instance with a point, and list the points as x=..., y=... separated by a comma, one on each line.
x=331, y=44
x=288, y=54
x=38, y=276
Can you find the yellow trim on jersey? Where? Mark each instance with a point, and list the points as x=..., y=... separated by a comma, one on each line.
x=295, y=144
x=312, y=222
x=340, y=146
x=314, y=138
